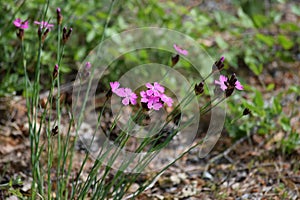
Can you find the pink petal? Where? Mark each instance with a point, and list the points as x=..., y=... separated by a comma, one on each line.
x=88, y=65
x=180, y=50
x=223, y=78
x=144, y=100
x=133, y=101
x=18, y=22
x=114, y=85
x=149, y=85
x=143, y=94
x=125, y=101
x=24, y=25
x=167, y=100
x=158, y=87
x=149, y=92
x=157, y=106
x=238, y=85
x=120, y=92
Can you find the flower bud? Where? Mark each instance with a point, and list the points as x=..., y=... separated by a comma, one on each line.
x=45, y=34
x=246, y=111
x=218, y=65
x=66, y=35
x=59, y=16
x=55, y=71
x=175, y=60
x=199, y=89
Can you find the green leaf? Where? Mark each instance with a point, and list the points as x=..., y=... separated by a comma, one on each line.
x=295, y=9
x=90, y=36
x=270, y=87
x=244, y=19
x=260, y=20
x=256, y=68
x=285, y=124
x=285, y=42
x=258, y=99
x=276, y=106
x=268, y=40
x=221, y=43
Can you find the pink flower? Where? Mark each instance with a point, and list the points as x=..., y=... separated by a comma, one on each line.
x=167, y=100
x=87, y=65
x=114, y=86
x=154, y=103
x=126, y=93
x=232, y=83
x=129, y=97
x=180, y=50
x=44, y=24
x=222, y=80
x=115, y=89
x=21, y=24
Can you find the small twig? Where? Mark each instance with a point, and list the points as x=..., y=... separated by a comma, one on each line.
x=226, y=152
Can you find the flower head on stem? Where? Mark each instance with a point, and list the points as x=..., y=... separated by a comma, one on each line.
x=21, y=25
x=228, y=85
x=59, y=16
x=126, y=93
x=44, y=24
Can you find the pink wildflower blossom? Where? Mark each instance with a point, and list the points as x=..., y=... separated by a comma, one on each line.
x=44, y=24
x=88, y=65
x=129, y=97
x=180, y=50
x=222, y=80
x=21, y=24
x=225, y=83
x=126, y=93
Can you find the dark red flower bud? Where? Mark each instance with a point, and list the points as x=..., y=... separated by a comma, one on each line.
x=175, y=60
x=59, y=16
x=246, y=111
x=218, y=65
x=55, y=71
x=54, y=131
x=199, y=89
x=45, y=34
x=66, y=35
x=229, y=91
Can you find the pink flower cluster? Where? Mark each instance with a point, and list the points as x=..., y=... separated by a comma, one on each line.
x=154, y=96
